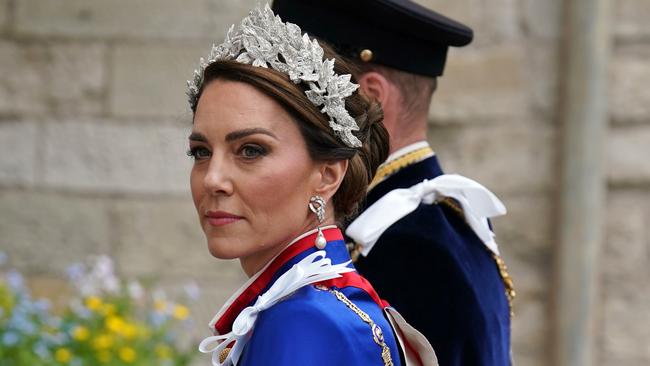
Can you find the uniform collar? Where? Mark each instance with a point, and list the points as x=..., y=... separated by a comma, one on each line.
x=407, y=149
x=400, y=159
x=298, y=249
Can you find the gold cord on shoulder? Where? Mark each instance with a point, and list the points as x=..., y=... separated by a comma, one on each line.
x=508, y=283
x=377, y=333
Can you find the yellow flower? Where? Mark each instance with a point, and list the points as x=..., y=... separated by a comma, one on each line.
x=108, y=309
x=80, y=333
x=127, y=354
x=63, y=355
x=103, y=341
x=93, y=303
x=114, y=323
x=104, y=356
x=129, y=331
x=181, y=312
x=163, y=351
x=160, y=306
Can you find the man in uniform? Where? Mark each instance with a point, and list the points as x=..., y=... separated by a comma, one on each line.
x=426, y=247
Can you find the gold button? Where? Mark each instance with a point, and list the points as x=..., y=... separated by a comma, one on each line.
x=366, y=55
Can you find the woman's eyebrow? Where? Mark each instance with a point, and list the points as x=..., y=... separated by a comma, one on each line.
x=247, y=132
x=197, y=136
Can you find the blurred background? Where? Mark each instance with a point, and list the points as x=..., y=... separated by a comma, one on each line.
x=94, y=123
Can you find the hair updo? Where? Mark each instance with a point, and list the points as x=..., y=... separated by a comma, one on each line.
x=321, y=141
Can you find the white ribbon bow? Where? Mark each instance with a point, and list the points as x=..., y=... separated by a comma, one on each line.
x=315, y=267
x=478, y=203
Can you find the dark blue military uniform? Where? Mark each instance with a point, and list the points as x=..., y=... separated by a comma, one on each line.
x=452, y=291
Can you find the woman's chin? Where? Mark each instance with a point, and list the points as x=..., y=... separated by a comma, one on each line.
x=220, y=253
x=222, y=250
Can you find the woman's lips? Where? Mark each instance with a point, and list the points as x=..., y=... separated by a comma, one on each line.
x=221, y=218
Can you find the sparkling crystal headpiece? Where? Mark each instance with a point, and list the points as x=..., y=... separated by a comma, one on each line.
x=263, y=40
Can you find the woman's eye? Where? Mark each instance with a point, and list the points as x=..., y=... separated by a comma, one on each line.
x=251, y=151
x=199, y=153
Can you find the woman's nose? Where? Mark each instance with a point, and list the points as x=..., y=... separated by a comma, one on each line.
x=217, y=179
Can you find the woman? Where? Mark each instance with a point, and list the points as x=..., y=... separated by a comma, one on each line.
x=284, y=148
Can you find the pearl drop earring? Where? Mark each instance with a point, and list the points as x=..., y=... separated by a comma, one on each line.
x=317, y=206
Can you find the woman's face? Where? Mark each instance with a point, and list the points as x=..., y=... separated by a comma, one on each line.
x=252, y=176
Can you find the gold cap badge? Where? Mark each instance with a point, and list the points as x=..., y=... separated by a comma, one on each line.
x=366, y=55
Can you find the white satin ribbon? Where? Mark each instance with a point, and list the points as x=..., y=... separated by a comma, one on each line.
x=315, y=267
x=478, y=203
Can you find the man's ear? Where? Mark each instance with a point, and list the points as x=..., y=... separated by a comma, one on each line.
x=331, y=176
x=375, y=86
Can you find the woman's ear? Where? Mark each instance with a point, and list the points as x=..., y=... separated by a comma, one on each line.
x=331, y=176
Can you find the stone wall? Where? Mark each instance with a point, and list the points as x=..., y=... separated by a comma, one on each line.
x=93, y=127
x=624, y=326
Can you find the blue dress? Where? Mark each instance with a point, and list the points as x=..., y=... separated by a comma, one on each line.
x=319, y=324
x=448, y=284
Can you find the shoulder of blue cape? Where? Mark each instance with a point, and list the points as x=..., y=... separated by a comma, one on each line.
x=311, y=327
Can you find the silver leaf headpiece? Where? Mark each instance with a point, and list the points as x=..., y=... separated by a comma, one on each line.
x=263, y=40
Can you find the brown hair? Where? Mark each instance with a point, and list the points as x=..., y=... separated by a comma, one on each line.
x=416, y=90
x=322, y=143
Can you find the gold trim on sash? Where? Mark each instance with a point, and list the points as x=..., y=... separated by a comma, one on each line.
x=377, y=334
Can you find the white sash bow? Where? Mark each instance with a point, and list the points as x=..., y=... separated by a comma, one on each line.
x=315, y=267
x=478, y=203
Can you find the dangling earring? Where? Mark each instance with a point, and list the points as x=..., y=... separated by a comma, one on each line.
x=317, y=206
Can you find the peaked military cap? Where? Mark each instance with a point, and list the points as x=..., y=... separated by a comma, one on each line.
x=396, y=33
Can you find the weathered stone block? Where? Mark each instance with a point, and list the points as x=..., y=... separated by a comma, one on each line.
x=479, y=85
x=626, y=250
x=631, y=18
x=164, y=238
x=500, y=23
x=524, y=236
x=121, y=18
x=529, y=333
x=506, y=157
x=18, y=149
x=541, y=85
x=625, y=334
x=493, y=22
x=629, y=98
x=527, y=226
x=464, y=11
x=542, y=19
x=76, y=78
x=628, y=148
x=4, y=4
x=143, y=157
x=225, y=13
x=626, y=269
x=151, y=80
x=45, y=233
x=23, y=79
x=56, y=77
